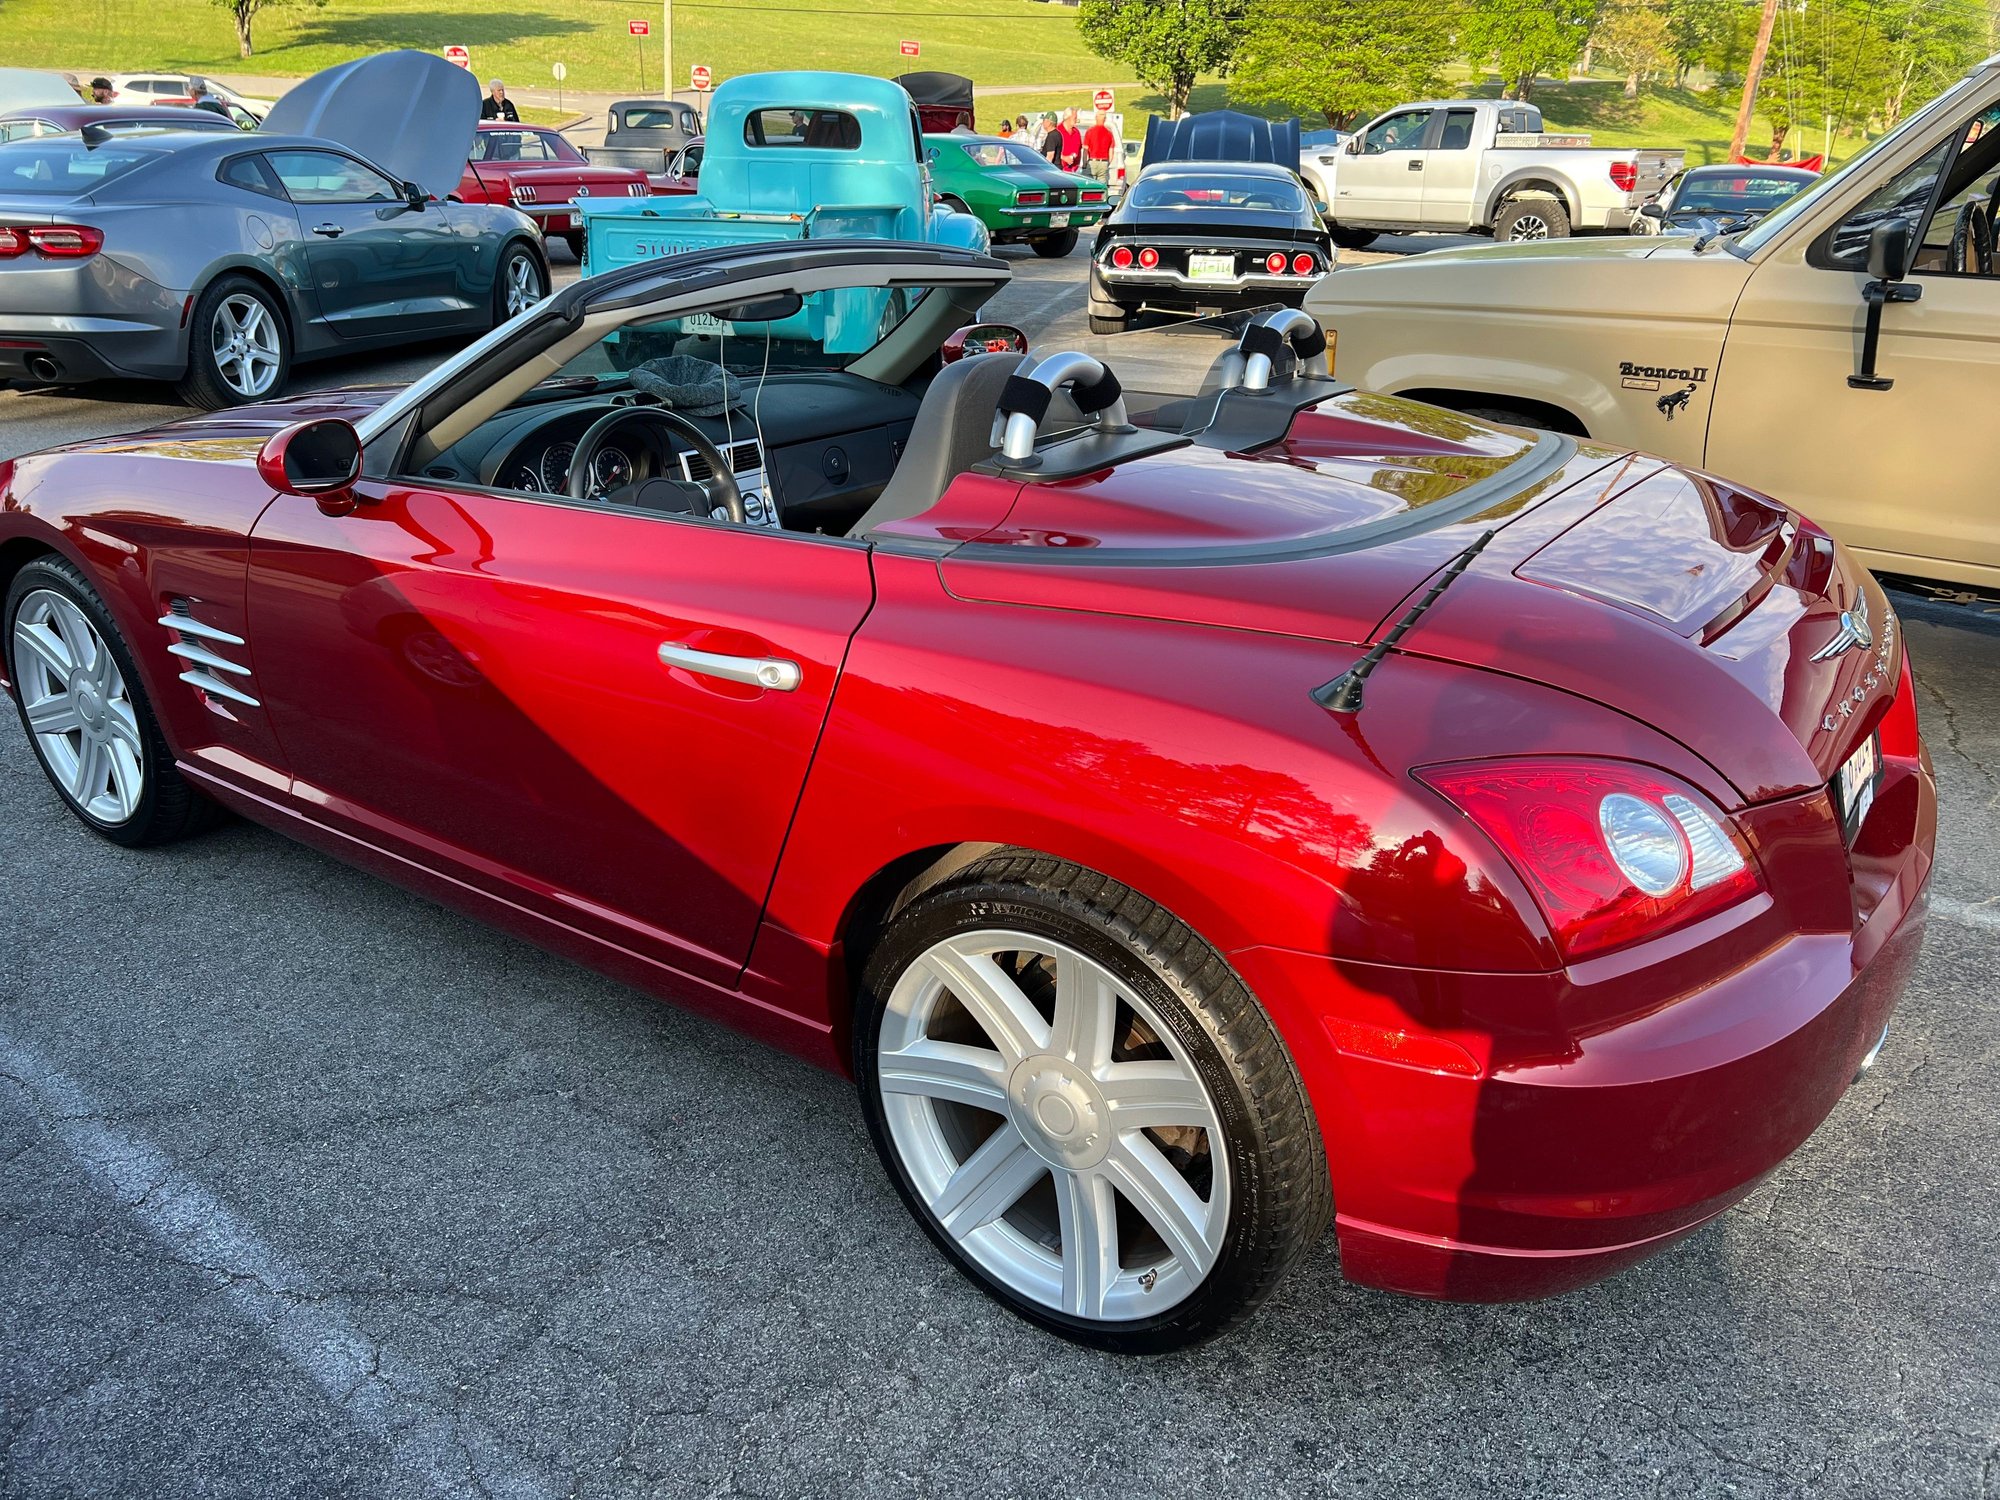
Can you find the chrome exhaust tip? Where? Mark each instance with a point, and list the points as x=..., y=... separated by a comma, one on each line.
x=1873, y=1053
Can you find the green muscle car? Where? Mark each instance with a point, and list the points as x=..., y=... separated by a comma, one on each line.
x=1013, y=190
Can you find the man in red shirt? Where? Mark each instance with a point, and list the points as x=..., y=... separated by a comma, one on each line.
x=1070, y=157
x=1098, y=144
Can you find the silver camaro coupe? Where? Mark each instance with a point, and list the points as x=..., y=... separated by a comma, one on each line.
x=218, y=260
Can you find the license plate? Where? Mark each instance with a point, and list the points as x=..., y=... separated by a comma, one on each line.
x=1855, y=782
x=1058, y=221
x=1211, y=267
x=704, y=323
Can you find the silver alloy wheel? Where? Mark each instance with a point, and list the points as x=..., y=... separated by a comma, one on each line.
x=524, y=284
x=981, y=1128
x=78, y=708
x=244, y=340
x=1529, y=227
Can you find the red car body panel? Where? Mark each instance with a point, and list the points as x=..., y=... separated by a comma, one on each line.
x=463, y=692
x=543, y=189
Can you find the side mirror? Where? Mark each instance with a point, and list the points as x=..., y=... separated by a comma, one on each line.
x=983, y=338
x=320, y=459
x=1654, y=212
x=1889, y=251
x=414, y=197
x=1353, y=146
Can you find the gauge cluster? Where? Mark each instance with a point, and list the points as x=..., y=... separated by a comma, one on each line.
x=549, y=474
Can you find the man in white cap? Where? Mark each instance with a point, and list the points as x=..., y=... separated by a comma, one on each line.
x=496, y=105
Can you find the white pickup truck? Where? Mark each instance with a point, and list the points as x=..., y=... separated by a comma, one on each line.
x=1469, y=164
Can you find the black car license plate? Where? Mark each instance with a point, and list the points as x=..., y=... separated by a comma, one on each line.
x=1854, y=785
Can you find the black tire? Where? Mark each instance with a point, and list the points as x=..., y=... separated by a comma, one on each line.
x=1531, y=219
x=167, y=807
x=956, y=205
x=1105, y=314
x=1281, y=1196
x=1352, y=239
x=574, y=239
x=204, y=385
x=1055, y=246
x=516, y=255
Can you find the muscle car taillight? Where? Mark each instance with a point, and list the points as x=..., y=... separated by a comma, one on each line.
x=52, y=241
x=1148, y=258
x=522, y=192
x=1625, y=175
x=1302, y=264
x=638, y=190
x=1275, y=262
x=1121, y=257
x=1031, y=200
x=1092, y=195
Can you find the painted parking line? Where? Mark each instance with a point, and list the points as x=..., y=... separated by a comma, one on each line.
x=437, y=1449
x=1984, y=915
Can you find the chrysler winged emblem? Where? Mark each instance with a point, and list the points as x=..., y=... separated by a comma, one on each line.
x=1854, y=632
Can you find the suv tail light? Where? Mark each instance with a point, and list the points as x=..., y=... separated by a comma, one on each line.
x=1031, y=200
x=1613, y=852
x=1149, y=258
x=1625, y=175
x=52, y=241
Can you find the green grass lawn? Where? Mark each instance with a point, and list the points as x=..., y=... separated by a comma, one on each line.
x=991, y=41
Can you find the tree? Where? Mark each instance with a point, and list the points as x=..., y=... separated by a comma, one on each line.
x=1696, y=32
x=1344, y=60
x=1168, y=43
x=1526, y=37
x=1633, y=35
x=243, y=12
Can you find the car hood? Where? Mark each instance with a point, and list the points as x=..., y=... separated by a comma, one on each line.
x=1618, y=277
x=237, y=432
x=26, y=88
x=1660, y=594
x=411, y=113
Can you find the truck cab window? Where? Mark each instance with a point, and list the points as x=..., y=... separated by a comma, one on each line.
x=1457, y=135
x=1959, y=241
x=1403, y=131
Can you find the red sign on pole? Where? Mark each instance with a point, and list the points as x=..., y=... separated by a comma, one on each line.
x=699, y=77
x=639, y=28
x=1102, y=100
x=458, y=57
x=909, y=49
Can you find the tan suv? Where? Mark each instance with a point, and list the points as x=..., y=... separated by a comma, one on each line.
x=1750, y=355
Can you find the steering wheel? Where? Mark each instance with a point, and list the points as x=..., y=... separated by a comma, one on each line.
x=720, y=489
x=1972, y=242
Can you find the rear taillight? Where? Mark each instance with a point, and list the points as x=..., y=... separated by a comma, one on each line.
x=1031, y=200
x=638, y=190
x=1092, y=195
x=1148, y=258
x=1302, y=265
x=521, y=192
x=1612, y=852
x=1625, y=175
x=1275, y=262
x=1900, y=738
x=1122, y=257
x=53, y=241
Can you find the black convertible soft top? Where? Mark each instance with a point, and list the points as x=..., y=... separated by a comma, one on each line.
x=1222, y=135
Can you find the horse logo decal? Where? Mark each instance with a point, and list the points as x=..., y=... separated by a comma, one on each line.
x=1674, y=403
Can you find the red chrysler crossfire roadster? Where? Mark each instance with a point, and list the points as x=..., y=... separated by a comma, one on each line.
x=1190, y=816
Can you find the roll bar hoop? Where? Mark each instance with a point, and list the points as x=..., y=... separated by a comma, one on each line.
x=1024, y=401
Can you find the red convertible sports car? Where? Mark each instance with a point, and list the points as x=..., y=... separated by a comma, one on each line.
x=1189, y=817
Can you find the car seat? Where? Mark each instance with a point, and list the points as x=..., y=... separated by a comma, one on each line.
x=953, y=431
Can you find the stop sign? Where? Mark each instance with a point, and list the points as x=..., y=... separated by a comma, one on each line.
x=699, y=77
x=458, y=57
x=1101, y=100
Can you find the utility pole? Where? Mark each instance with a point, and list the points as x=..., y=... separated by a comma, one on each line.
x=1751, y=78
x=667, y=48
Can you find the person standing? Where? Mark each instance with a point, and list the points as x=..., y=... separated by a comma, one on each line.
x=496, y=105
x=1098, y=144
x=1006, y=128
x=1070, y=157
x=1050, y=144
x=101, y=91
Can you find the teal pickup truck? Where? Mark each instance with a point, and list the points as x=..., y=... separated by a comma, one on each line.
x=791, y=156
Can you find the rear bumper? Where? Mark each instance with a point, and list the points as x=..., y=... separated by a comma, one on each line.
x=86, y=348
x=1590, y=1150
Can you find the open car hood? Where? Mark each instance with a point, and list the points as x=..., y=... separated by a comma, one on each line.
x=25, y=88
x=412, y=114
x=1222, y=135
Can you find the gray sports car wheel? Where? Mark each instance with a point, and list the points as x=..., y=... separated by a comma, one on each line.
x=521, y=284
x=239, y=348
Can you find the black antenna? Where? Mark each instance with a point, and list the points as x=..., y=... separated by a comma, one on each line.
x=1343, y=694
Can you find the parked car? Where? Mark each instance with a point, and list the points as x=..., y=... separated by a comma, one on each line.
x=644, y=135
x=795, y=156
x=1190, y=822
x=1013, y=191
x=107, y=119
x=1319, y=152
x=1755, y=354
x=1483, y=164
x=234, y=115
x=943, y=100
x=1728, y=198
x=1199, y=234
x=218, y=260
x=149, y=88
x=541, y=174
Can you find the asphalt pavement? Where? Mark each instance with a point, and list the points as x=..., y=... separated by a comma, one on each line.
x=310, y=1188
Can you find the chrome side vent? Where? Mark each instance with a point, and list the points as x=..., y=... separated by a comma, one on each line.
x=205, y=649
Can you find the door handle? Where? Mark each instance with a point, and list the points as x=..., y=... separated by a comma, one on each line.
x=331, y=231
x=1416, y=166
x=772, y=672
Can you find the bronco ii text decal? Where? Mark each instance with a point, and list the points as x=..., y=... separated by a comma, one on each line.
x=1637, y=377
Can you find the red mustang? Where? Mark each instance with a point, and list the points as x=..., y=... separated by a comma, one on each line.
x=541, y=174
x=1187, y=818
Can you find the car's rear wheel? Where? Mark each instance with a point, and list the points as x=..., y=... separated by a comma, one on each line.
x=1106, y=315
x=239, y=348
x=1054, y=246
x=574, y=239
x=1083, y=1106
x=520, y=284
x=86, y=715
x=1352, y=239
x=1531, y=219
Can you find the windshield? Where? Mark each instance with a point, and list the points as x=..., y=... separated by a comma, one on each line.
x=1771, y=227
x=62, y=166
x=1732, y=193
x=1003, y=154
x=1216, y=190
